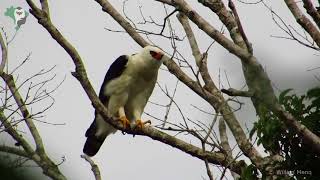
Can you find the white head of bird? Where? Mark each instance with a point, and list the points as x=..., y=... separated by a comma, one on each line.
x=153, y=54
x=19, y=14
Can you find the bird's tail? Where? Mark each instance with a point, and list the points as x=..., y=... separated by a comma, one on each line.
x=96, y=134
x=92, y=145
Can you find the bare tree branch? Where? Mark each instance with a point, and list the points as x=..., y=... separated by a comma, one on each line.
x=291, y=31
x=35, y=134
x=312, y=11
x=259, y=85
x=201, y=60
x=14, y=151
x=15, y=135
x=80, y=74
x=241, y=30
x=45, y=6
x=218, y=7
x=38, y=155
x=4, y=53
x=107, y=7
x=41, y=159
x=235, y=92
x=94, y=167
x=224, y=141
x=255, y=75
x=210, y=85
x=303, y=21
x=216, y=100
x=204, y=25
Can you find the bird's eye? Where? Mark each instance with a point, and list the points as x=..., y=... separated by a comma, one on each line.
x=152, y=53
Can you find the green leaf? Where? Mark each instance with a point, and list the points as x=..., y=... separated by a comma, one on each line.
x=253, y=130
x=250, y=173
x=313, y=93
x=283, y=95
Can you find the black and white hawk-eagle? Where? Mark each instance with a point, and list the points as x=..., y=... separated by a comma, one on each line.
x=125, y=91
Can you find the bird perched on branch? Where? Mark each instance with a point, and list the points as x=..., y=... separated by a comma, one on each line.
x=125, y=91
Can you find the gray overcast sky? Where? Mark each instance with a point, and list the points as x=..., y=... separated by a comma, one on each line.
x=123, y=157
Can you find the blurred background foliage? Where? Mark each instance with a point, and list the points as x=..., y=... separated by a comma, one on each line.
x=277, y=138
x=16, y=168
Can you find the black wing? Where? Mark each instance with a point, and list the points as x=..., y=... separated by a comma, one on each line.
x=93, y=143
x=114, y=71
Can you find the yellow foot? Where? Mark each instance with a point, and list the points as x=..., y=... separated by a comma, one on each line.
x=140, y=124
x=125, y=122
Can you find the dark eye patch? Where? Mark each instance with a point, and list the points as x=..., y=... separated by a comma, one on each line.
x=153, y=53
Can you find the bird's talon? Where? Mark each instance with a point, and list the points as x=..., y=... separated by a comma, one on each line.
x=140, y=124
x=125, y=122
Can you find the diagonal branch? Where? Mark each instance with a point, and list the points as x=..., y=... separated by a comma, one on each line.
x=13, y=150
x=107, y=7
x=94, y=167
x=218, y=7
x=224, y=137
x=240, y=27
x=214, y=99
x=235, y=92
x=225, y=142
x=307, y=4
x=201, y=60
x=81, y=75
x=14, y=91
x=225, y=109
x=45, y=6
x=48, y=167
x=13, y=133
x=171, y=65
x=4, y=52
x=165, y=20
x=190, y=35
x=304, y=21
x=238, y=50
x=255, y=76
x=38, y=156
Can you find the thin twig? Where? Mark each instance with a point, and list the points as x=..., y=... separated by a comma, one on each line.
x=241, y=30
x=94, y=167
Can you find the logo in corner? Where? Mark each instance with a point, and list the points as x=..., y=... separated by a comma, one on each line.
x=18, y=15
